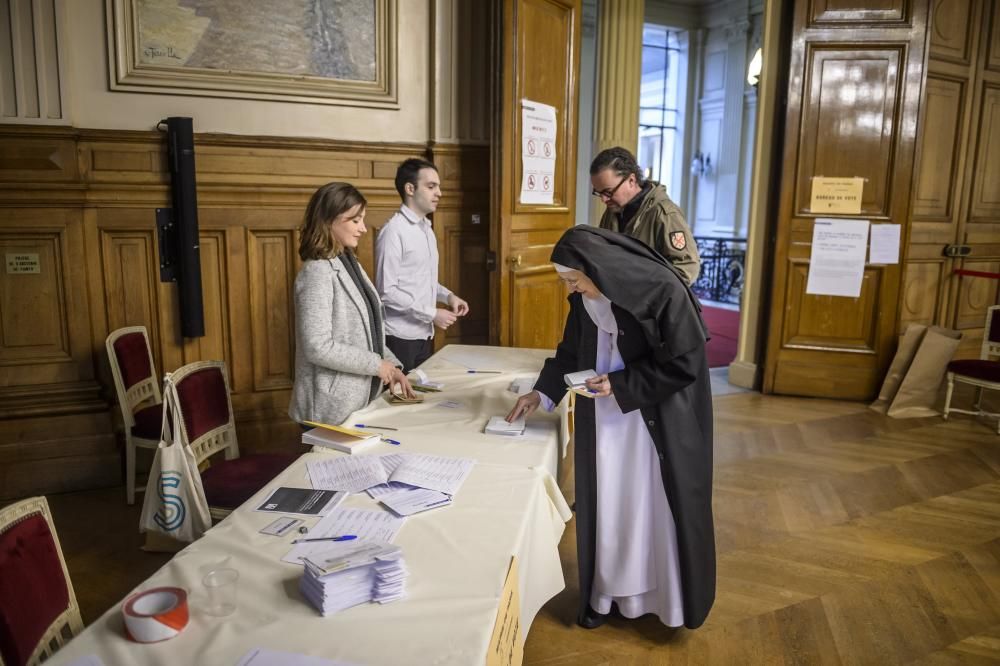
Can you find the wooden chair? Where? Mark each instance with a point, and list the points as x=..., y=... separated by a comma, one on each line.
x=38, y=608
x=138, y=389
x=983, y=373
x=208, y=427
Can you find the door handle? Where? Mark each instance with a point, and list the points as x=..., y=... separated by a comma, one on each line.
x=956, y=251
x=515, y=261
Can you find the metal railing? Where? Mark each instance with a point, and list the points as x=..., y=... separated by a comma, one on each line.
x=723, y=264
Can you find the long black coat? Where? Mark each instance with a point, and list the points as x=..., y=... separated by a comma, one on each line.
x=670, y=385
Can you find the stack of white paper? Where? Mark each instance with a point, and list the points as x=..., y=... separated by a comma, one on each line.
x=497, y=425
x=409, y=500
x=576, y=381
x=523, y=385
x=340, y=441
x=342, y=578
x=356, y=474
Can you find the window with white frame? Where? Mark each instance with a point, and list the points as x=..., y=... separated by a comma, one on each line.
x=660, y=134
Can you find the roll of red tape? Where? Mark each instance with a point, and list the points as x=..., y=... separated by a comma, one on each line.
x=155, y=615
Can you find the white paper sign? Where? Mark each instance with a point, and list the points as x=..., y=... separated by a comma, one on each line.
x=538, y=152
x=884, y=247
x=837, y=265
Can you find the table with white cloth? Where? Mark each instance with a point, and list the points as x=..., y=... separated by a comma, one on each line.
x=458, y=556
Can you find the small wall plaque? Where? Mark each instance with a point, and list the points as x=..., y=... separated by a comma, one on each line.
x=23, y=262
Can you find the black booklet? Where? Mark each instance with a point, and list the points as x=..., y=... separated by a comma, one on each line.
x=302, y=501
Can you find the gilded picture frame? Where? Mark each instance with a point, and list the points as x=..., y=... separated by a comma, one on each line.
x=339, y=52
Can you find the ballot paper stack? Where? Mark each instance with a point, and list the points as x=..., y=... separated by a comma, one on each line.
x=497, y=425
x=353, y=574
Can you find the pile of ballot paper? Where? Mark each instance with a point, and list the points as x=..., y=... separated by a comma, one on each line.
x=350, y=574
x=497, y=425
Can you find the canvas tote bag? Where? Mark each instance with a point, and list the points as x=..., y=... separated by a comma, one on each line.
x=175, y=504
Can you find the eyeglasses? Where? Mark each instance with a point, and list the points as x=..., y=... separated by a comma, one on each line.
x=607, y=194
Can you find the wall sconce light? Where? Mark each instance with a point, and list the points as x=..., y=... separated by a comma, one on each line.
x=701, y=165
x=753, y=70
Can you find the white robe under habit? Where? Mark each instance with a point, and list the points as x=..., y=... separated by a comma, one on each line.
x=636, y=564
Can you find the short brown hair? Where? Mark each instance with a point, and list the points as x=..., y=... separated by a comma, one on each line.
x=620, y=161
x=408, y=173
x=326, y=204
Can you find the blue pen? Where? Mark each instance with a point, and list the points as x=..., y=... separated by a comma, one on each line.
x=342, y=537
x=481, y=372
x=362, y=425
x=394, y=442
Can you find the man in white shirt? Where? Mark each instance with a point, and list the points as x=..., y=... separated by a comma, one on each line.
x=406, y=268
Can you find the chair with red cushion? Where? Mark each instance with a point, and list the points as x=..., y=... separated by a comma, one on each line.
x=208, y=427
x=983, y=373
x=138, y=390
x=38, y=609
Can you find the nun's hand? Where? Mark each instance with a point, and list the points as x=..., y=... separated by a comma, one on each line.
x=601, y=386
x=524, y=406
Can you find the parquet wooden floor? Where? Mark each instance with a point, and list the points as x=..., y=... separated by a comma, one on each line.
x=844, y=537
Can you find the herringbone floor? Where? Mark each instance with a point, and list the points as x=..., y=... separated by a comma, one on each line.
x=843, y=537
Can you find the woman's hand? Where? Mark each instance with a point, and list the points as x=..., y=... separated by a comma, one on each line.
x=524, y=406
x=399, y=378
x=601, y=386
x=386, y=370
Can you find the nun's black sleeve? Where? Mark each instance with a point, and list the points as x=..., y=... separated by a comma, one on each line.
x=550, y=379
x=646, y=382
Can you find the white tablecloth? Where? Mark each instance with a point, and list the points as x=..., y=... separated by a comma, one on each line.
x=457, y=556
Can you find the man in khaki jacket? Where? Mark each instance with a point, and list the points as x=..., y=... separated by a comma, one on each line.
x=641, y=209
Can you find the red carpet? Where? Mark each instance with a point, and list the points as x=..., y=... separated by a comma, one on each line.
x=724, y=327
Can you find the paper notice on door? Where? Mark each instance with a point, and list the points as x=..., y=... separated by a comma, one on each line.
x=538, y=152
x=884, y=248
x=837, y=264
x=836, y=195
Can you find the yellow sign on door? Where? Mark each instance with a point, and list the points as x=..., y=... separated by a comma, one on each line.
x=836, y=195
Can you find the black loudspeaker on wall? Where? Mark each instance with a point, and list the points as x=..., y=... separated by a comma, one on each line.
x=180, y=259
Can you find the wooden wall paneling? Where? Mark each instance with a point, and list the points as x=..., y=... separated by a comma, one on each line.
x=937, y=168
x=848, y=121
x=85, y=200
x=953, y=25
x=826, y=13
x=922, y=293
x=54, y=425
x=986, y=179
x=538, y=60
x=856, y=74
x=993, y=48
x=462, y=228
x=271, y=255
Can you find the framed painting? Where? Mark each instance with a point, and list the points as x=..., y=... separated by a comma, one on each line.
x=317, y=51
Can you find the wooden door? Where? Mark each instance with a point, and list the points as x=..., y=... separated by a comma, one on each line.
x=537, y=58
x=855, y=77
x=956, y=199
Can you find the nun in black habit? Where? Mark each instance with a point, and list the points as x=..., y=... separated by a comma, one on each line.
x=643, y=462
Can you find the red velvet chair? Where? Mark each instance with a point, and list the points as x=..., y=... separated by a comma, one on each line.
x=138, y=389
x=207, y=426
x=983, y=373
x=38, y=609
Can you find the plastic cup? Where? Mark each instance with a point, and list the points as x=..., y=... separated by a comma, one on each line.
x=221, y=586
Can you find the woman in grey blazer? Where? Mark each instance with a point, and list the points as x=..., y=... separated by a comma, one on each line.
x=341, y=361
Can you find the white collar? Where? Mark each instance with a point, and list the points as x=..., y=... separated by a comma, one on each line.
x=411, y=216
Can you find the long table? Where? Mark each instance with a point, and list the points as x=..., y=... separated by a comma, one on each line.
x=458, y=557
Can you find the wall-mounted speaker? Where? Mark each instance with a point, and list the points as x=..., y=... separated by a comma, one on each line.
x=180, y=259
